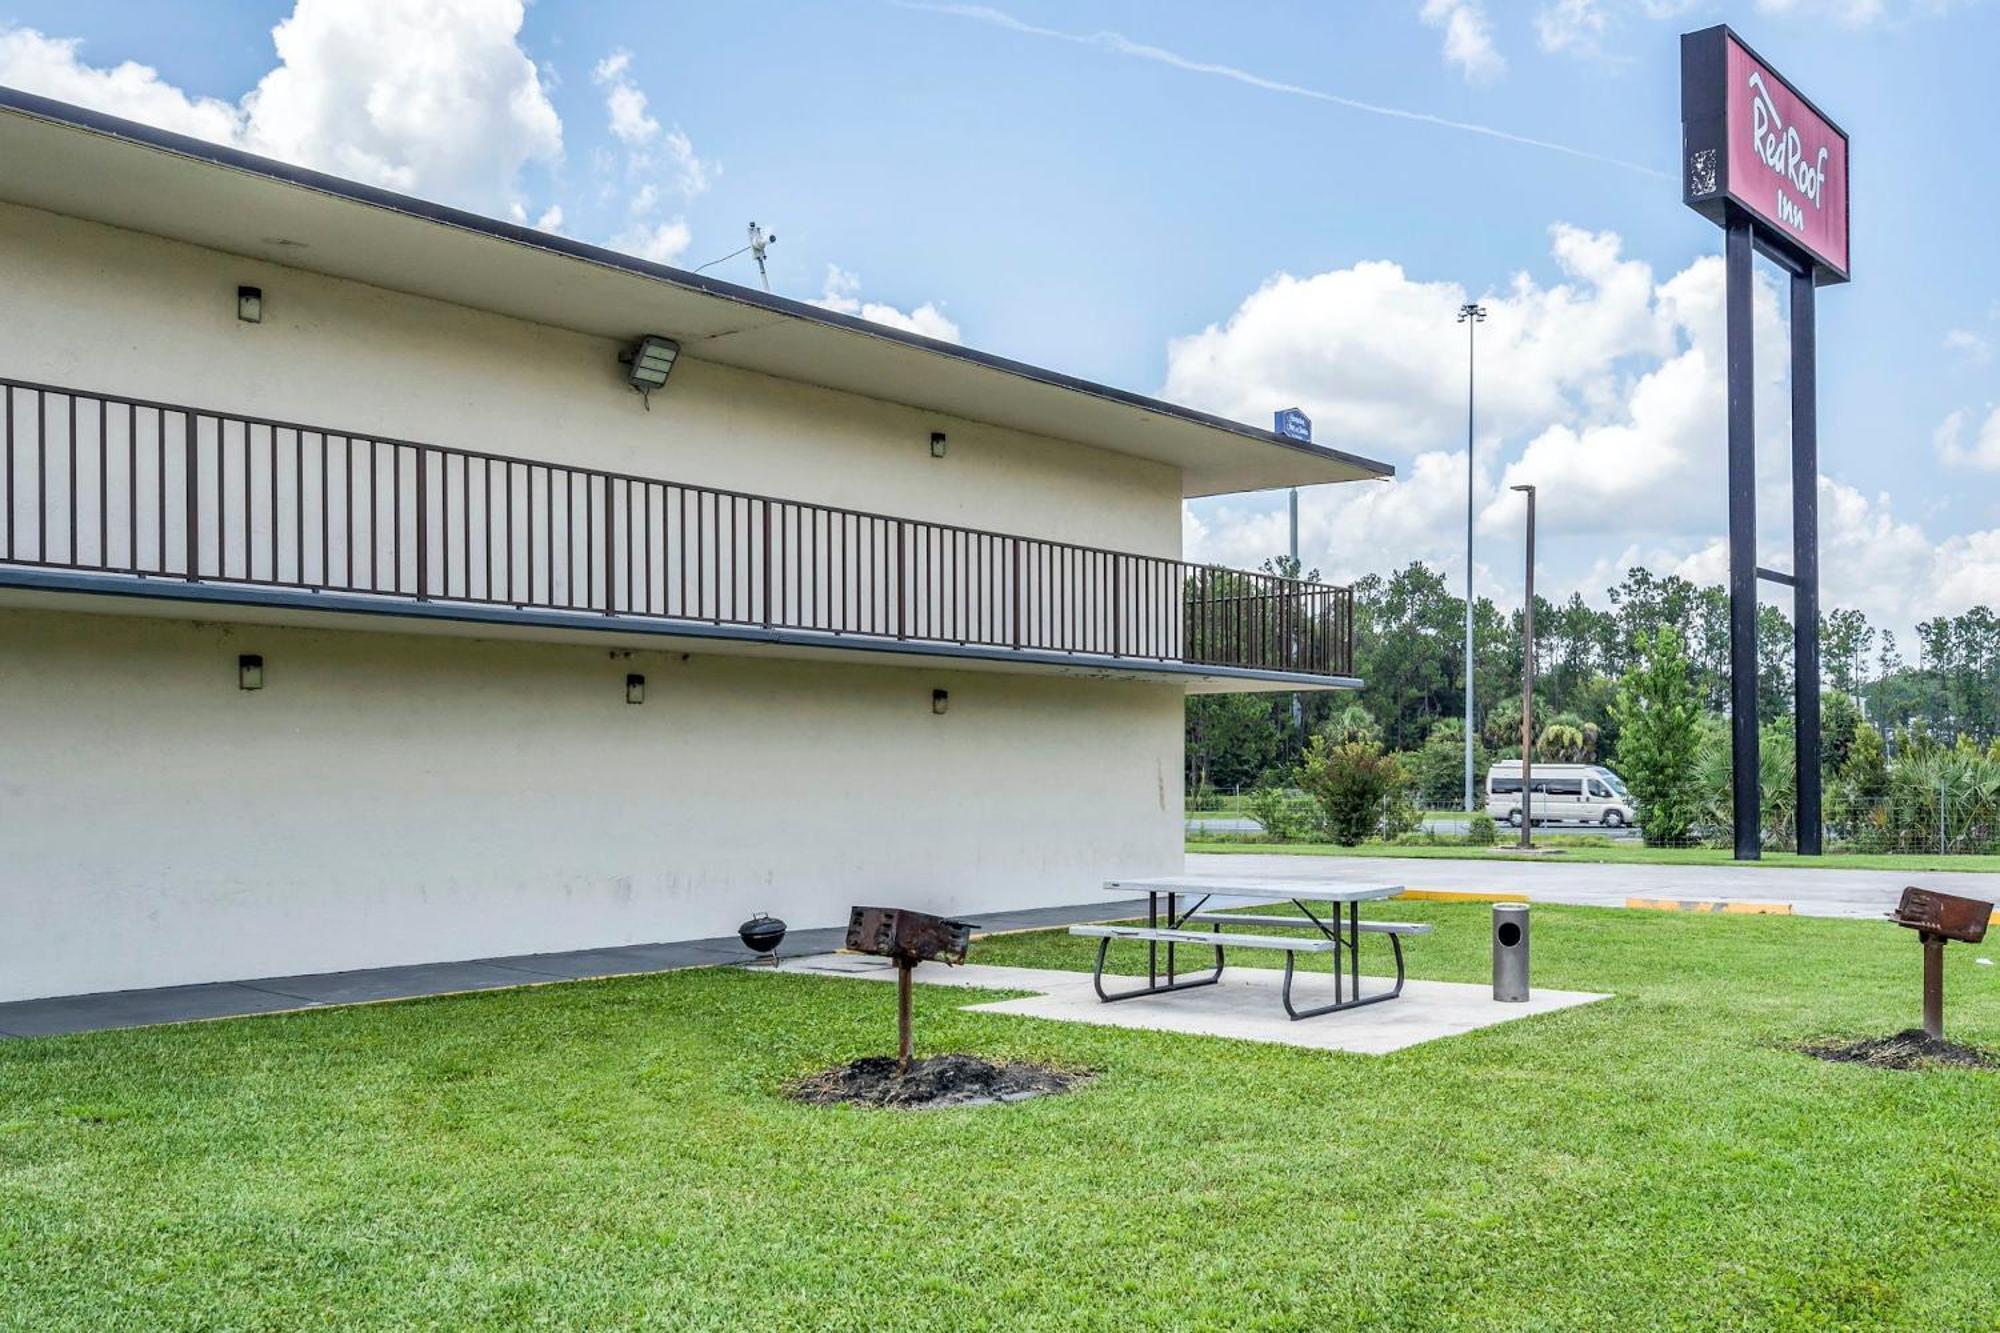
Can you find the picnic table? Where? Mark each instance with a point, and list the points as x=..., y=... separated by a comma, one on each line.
x=1186, y=898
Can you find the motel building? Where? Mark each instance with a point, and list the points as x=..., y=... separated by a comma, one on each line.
x=356, y=608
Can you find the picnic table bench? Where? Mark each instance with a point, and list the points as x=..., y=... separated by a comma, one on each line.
x=1341, y=940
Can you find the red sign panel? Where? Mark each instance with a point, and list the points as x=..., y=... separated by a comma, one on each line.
x=1754, y=140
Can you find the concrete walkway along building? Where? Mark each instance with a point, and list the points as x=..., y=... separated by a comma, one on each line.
x=355, y=610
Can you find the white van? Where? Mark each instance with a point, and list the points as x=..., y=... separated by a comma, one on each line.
x=1564, y=794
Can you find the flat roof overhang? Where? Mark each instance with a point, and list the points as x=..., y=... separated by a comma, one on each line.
x=248, y=604
x=80, y=163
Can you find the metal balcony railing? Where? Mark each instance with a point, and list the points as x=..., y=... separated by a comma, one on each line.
x=119, y=486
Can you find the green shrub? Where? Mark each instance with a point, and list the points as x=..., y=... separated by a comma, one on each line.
x=1355, y=786
x=1480, y=831
x=1285, y=814
x=1439, y=767
x=1660, y=731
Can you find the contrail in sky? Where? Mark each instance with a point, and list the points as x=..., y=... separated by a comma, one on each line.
x=1119, y=44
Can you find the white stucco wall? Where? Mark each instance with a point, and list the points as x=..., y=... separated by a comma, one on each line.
x=93, y=307
x=392, y=799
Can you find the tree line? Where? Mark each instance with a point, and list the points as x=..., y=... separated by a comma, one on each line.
x=1409, y=651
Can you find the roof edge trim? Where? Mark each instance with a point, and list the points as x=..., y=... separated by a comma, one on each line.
x=34, y=106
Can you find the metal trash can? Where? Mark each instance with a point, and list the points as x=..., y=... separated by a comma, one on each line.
x=1510, y=951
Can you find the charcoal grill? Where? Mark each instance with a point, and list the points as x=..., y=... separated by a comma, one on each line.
x=909, y=938
x=1938, y=919
x=762, y=934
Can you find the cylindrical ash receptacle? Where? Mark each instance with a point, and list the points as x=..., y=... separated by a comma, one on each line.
x=1510, y=951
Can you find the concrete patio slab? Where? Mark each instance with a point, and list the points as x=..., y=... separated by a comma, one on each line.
x=1243, y=1005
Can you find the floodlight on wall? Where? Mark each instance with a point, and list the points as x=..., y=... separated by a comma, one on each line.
x=648, y=363
x=940, y=701
x=937, y=444
x=250, y=671
x=635, y=688
x=250, y=304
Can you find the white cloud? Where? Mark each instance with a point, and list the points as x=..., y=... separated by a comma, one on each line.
x=629, y=121
x=1981, y=452
x=1885, y=566
x=1578, y=27
x=1974, y=348
x=1604, y=389
x=842, y=294
x=1468, y=38
x=428, y=96
x=1851, y=13
x=51, y=67
x=651, y=151
x=1574, y=26
x=657, y=162
x=1377, y=358
x=661, y=242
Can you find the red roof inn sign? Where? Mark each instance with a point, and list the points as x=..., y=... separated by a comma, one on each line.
x=1768, y=167
x=1753, y=140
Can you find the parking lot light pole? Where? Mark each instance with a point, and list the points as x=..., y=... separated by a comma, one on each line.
x=1469, y=314
x=1528, y=684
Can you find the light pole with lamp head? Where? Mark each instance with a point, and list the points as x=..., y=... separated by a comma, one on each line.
x=1469, y=314
x=1528, y=684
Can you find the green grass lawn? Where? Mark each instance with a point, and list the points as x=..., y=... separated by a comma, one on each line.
x=1635, y=854
x=616, y=1153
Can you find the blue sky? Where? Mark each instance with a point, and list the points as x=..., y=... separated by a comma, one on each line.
x=1115, y=189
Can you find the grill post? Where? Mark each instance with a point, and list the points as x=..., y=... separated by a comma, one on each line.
x=905, y=1035
x=1934, y=985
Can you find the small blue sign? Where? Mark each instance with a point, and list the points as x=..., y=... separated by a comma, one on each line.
x=1293, y=425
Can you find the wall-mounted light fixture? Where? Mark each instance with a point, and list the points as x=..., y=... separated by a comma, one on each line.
x=250, y=304
x=648, y=363
x=635, y=688
x=937, y=444
x=940, y=701
x=250, y=671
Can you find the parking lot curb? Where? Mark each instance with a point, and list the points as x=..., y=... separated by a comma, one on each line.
x=1461, y=896
x=1719, y=908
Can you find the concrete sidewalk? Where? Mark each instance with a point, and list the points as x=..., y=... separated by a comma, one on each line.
x=266, y=995
x=1243, y=1006
x=1809, y=892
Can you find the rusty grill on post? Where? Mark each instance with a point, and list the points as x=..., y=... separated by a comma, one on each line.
x=1939, y=918
x=906, y=936
x=174, y=494
x=909, y=938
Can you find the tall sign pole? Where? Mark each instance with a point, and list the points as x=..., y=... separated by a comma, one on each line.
x=1746, y=796
x=1470, y=315
x=1766, y=165
x=1528, y=684
x=1805, y=561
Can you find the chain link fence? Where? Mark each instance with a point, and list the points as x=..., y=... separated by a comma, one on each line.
x=1914, y=822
